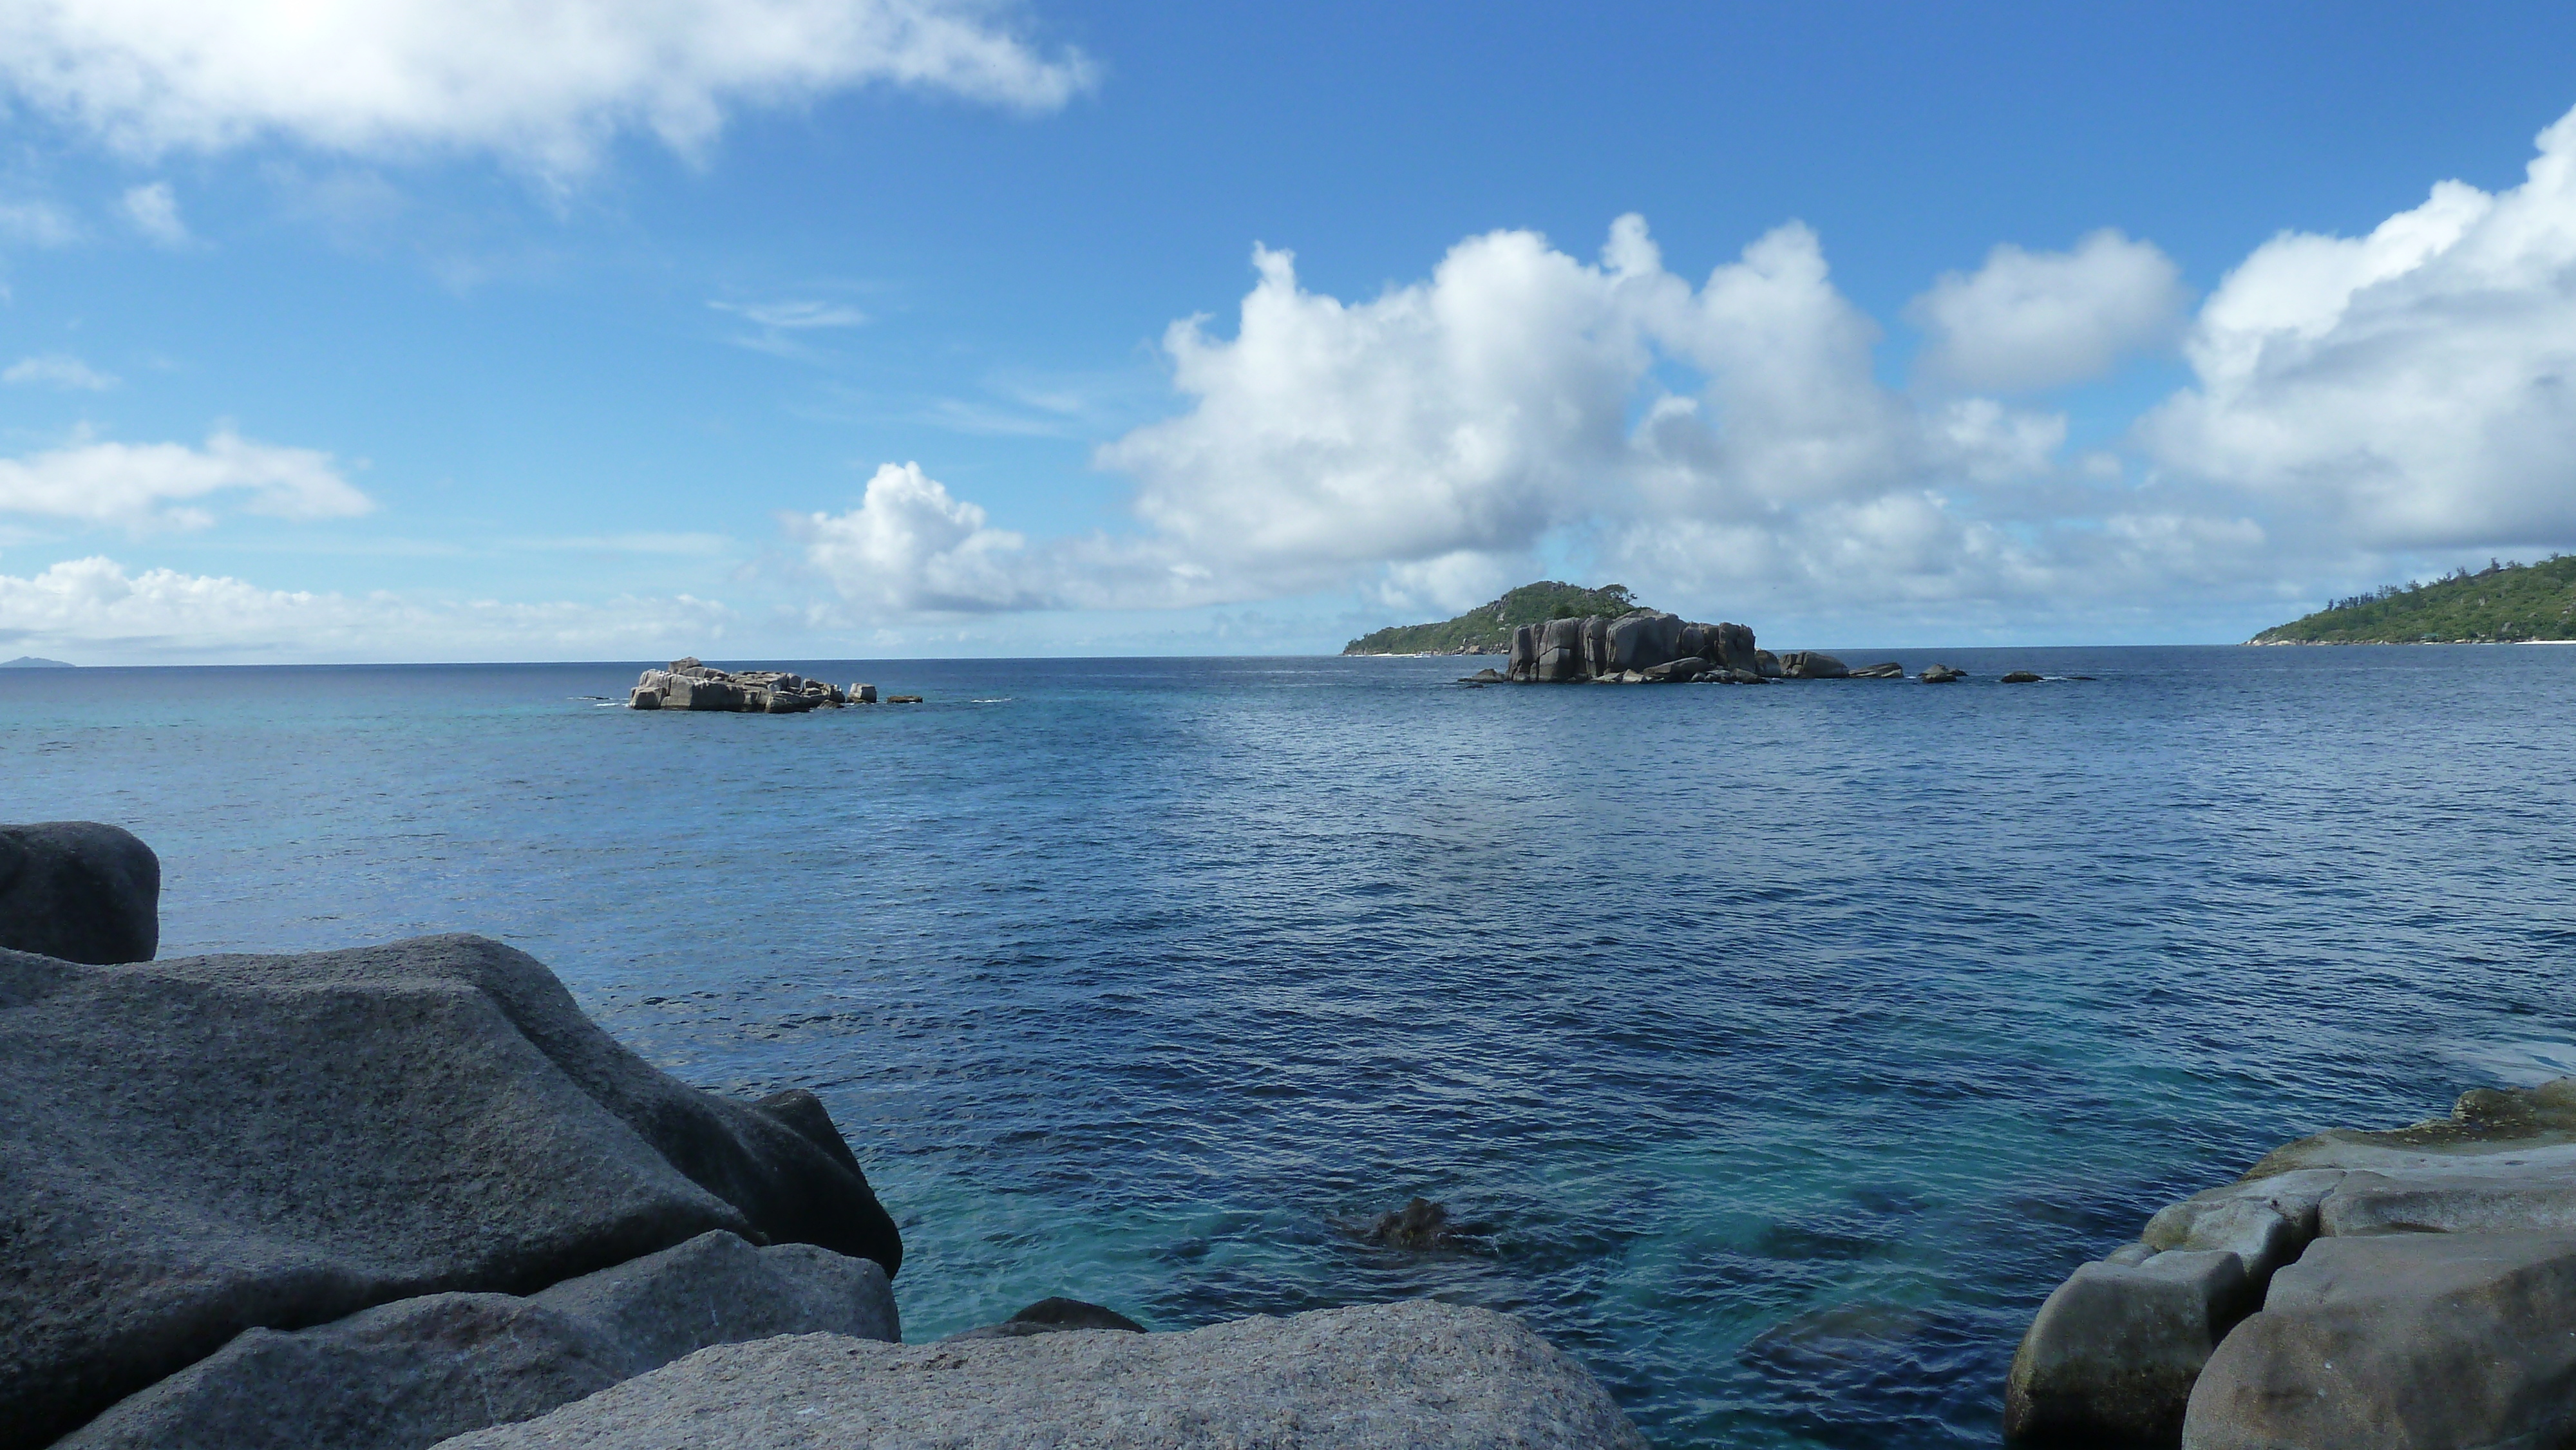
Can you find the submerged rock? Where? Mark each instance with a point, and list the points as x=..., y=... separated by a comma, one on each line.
x=80, y=891
x=1053, y=1316
x=208, y=1145
x=416, y=1371
x=2021, y=677
x=1416, y=1374
x=1420, y=1224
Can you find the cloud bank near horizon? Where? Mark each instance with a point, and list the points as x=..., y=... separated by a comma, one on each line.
x=2350, y=404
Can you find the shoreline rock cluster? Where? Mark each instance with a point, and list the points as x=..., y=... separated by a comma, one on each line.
x=410, y=1195
x=1651, y=647
x=690, y=684
x=2410, y=1288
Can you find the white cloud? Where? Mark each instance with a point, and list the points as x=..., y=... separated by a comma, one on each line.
x=2410, y=389
x=38, y=224
x=57, y=370
x=2034, y=320
x=909, y=548
x=1430, y=436
x=95, y=606
x=161, y=485
x=794, y=315
x=153, y=210
x=543, y=81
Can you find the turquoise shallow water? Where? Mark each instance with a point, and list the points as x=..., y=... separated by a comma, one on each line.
x=1784, y=1045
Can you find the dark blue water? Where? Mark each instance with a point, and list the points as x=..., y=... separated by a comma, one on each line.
x=1784, y=1045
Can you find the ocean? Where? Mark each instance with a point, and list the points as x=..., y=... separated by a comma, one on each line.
x=1776, y=1049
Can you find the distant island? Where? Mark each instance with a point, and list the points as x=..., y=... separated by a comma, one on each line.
x=31, y=662
x=1487, y=628
x=2500, y=604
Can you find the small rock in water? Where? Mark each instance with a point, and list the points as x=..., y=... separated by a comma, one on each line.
x=903, y=699
x=1941, y=675
x=1890, y=670
x=1421, y=1224
x=2021, y=677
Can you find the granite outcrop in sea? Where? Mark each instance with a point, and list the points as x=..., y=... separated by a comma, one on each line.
x=393, y=1196
x=2413, y=1289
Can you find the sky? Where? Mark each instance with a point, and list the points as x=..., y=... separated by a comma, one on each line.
x=417, y=330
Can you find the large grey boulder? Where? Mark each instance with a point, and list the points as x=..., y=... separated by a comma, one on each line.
x=1596, y=647
x=1734, y=648
x=1418, y=1374
x=1642, y=640
x=1560, y=652
x=79, y=890
x=1767, y=665
x=2111, y=1359
x=414, y=1372
x=197, y=1147
x=2402, y=1341
x=1524, y=661
x=1807, y=664
x=2263, y=1221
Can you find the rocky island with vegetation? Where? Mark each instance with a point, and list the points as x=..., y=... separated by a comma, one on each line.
x=1563, y=634
x=2503, y=603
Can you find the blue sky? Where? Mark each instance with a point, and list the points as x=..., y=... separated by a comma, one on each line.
x=809, y=328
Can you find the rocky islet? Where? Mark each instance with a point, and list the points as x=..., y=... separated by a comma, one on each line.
x=690, y=684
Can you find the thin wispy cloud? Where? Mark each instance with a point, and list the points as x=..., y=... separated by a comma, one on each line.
x=57, y=370
x=153, y=210
x=794, y=316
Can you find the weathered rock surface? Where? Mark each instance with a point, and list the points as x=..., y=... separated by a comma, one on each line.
x=2111, y=1359
x=1890, y=670
x=197, y=1147
x=1560, y=652
x=690, y=685
x=1941, y=675
x=2265, y=1222
x=80, y=891
x=2408, y=1341
x=1645, y=639
x=1767, y=665
x=416, y=1371
x=2020, y=677
x=1417, y=1374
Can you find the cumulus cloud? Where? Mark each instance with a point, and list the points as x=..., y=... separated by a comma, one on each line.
x=1425, y=440
x=166, y=485
x=910, y=548
x=543, y=81
x=2033, y=320
x=95, y=605
x=2414, y=388
x=59, y=370
x=153, y=210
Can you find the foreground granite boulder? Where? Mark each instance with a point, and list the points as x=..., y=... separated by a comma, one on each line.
x=79, y=890
x=1417, y=1374
x=414, y=1372
x=2417, y=1340
x=197, y=1147
x=2416, y=1291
